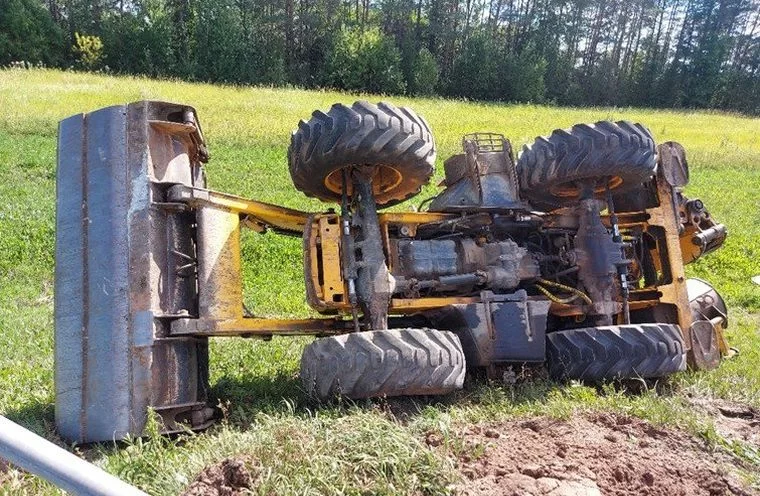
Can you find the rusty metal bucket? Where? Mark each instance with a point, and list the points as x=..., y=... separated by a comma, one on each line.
x=125, y=268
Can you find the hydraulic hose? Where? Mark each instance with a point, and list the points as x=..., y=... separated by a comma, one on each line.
x=577, y=292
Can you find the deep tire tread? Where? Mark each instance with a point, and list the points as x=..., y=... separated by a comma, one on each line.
x=616, y=352
x=401, y=362
x=586, y=151
x=362, y=134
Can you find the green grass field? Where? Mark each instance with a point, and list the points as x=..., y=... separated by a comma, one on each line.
x=362, y=448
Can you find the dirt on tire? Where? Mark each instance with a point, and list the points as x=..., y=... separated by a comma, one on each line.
x=616, y=352
x=230, y=477
x=601, y=454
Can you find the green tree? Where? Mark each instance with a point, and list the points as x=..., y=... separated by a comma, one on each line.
x=140, y=41
x=523, y=77
x=89, y=51
x=366, y=61
x=425, y=74
x=695, y=53
x=28, y=33
x=475, y=72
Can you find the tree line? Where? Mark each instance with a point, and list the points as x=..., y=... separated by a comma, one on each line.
x=655, y=53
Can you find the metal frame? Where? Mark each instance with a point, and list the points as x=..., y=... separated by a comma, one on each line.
x=220, y=296
x=122, y=273
x=220, y=216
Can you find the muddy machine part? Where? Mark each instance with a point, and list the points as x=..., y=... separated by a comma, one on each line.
x=501, y=329
x=709, y=320
x=483, y=178
x=374, y=285
x=600, y=260
x=125, y=268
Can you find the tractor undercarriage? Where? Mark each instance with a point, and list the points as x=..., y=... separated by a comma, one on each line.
x=574, y=255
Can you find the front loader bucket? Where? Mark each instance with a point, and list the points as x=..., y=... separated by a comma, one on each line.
x=125, y=268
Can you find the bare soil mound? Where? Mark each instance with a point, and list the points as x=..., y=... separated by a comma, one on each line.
x=230, y=477
x=594, y=455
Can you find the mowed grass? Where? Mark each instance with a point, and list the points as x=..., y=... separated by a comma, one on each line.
x=299, y=447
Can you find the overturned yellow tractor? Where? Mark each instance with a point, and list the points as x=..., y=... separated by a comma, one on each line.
x=571, y=255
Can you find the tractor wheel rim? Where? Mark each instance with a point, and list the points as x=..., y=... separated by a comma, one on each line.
x=571, y=189
x=384, y=179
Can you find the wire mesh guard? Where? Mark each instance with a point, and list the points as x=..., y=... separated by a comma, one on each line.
x=486, y=142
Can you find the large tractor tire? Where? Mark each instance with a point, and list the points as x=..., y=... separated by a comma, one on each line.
x=396, y=142
x=615, y=155
x=616, y=352
x=393, y=362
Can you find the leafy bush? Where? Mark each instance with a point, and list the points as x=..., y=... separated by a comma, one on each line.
x=483, y=71
x=367, y=61
x=89, y=50
x=475, y=72
x=523, y=77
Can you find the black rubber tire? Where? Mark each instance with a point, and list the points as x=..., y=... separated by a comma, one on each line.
x=622, y=152
x=393, y=362
x=616, y=352
x=395, y=140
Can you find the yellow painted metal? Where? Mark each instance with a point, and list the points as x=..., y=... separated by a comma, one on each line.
x=312, y=263
x=264, y=214
x=410, y=220
x=220, y=293
x=333, y=285
x=325, y=285
x=413, y=217
x=220, y=296
x=690, y=252
x=400, y=306
x=673, y=293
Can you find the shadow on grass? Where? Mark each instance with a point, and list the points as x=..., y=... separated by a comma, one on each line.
x=38, y=417
x=242, y=398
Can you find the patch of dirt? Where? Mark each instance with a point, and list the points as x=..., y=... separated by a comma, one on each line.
x=593, y=455
x=230, y=477
x=733, y=421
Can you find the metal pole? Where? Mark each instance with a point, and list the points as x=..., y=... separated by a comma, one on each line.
x=39, y=456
